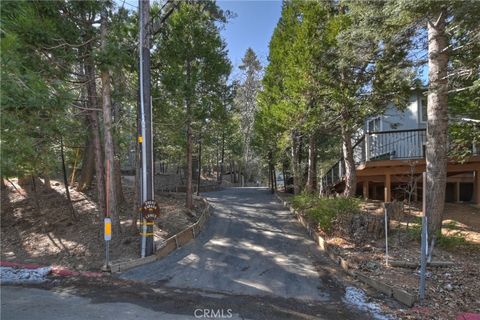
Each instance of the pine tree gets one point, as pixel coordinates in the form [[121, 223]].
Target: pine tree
[[246, 104], [193, 65]]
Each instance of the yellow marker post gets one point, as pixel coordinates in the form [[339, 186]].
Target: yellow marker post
[[108, 229], [140, 139], [107, 233]]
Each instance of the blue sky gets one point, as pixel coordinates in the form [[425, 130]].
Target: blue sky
[[252, 27]]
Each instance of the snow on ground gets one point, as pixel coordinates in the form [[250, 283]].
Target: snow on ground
[[10, 275], [358, 298]]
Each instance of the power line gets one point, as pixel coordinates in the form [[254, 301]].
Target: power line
[[129, 4]]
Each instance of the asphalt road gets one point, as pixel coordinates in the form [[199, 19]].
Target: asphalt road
[[251, 261], [251, 246], [32, 303]]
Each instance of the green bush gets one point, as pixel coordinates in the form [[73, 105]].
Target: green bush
[[323, 211], [451, 241], [443, 241], [415, 232], [304, 201]]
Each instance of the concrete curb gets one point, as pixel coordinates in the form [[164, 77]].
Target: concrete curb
[[400, 295], [171, 244]]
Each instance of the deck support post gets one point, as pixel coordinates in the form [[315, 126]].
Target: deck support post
[[365, 189], [476, 186], [388, 188], [456, 193]]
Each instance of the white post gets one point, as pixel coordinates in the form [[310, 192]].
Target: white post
[[424, 243], [386, 233]]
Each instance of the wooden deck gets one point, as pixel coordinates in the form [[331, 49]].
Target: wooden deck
[[392, 158]]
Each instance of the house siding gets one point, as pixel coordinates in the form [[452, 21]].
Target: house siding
[[394, 119]]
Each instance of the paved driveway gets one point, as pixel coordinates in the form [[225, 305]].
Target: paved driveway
[[251, 245]]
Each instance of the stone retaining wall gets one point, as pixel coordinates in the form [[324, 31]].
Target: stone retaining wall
[[398, 294]]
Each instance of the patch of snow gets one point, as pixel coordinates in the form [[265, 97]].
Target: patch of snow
[[10, 275], [358, 298]]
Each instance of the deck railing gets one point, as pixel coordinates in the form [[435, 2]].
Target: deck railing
[[383, 145]]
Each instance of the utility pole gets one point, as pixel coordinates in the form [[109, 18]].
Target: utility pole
[[145, 139]]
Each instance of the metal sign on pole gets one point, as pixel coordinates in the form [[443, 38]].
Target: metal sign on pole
[[424, 242]]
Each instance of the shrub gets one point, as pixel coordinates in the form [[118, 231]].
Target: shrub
[[451, 241], [304, 201], [323, 211]]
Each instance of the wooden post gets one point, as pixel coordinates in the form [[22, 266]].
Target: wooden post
[[456, 193], [388, 188], [476, 186], [365, 189], [374, 192]]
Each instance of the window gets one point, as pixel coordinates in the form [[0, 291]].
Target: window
[[423, 109], [373, 125]]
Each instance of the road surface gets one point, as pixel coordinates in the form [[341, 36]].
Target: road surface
[[251, 261], [250, 246]]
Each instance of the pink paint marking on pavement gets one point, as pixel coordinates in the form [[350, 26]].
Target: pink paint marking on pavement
[[468, 316], [64, 272], [56, 270], [20, 265]]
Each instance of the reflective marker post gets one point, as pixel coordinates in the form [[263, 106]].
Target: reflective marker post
[[107, 233]]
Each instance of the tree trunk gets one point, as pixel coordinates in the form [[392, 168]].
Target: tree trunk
[[118, 181], [116, 145], [94, 126], [117, 167], [88, 162], [199, 178], [437, 122], [350, 172], [110, 183], [297, 174], [245, 166], [222, 158], [65, 181], [74, 168], [189, 200], [35, 192], [311, 185], [47, 183], [271, 172]]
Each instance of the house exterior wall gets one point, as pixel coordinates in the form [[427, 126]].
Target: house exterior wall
[[394, 119], [399, 145]]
